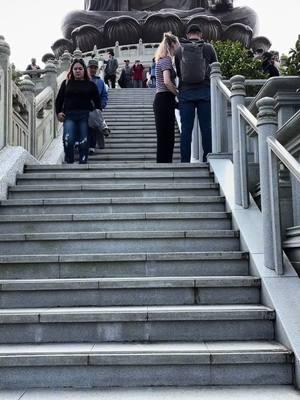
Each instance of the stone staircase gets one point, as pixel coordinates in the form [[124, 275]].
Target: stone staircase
[[130, 117], [121, 273]]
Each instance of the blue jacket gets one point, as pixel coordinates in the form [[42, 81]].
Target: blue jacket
[[102, 91]]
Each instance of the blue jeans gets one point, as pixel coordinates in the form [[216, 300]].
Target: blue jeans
[[76, 130], [189, 101]]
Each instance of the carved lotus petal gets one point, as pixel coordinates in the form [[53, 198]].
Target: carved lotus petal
[[123, 29], [239, 33], [260, 42], [86, 37], [157, 24], [61, 45], [48, 56], [211, 26]]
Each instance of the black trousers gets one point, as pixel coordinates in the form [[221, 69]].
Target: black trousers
[[164, 111], [112, 79]]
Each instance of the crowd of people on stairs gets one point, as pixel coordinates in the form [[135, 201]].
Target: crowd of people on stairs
[[180, 73]]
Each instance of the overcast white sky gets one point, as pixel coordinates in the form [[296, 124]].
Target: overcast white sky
[[31, 26]]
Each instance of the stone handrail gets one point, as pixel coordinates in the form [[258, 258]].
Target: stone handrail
[[27, 111], [19, 134], [289, 134], [124, 51], [264, 116], [32, 72]]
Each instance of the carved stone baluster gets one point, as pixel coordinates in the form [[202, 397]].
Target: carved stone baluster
[[27, 87], [5, 93]]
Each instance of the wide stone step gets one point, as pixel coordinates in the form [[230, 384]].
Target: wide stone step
[[132, 144], [122, 241], [132, 131], [129, 291], [112, 205], [116, 265], [138, 122], [132, 151], [141, 323], [108, 177], [128, 158], [116, 141], [113, 222], [135, 136], [130, 119], [133, 108], [132, 127], [112, 190], [120, 166], [93, 365], [116, 112], [129, 150]]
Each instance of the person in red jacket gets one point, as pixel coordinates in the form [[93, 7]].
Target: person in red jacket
[[137, 74]]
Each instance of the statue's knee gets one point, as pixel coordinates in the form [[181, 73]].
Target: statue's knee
[[72, 20], [123, 29], [155, 26]]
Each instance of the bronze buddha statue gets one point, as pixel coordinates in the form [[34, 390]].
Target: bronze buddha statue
[[103, 22]]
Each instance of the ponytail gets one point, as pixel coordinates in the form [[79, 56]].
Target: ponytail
[[164, 49]]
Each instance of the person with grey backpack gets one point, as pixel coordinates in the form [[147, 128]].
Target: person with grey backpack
[[192, 60]]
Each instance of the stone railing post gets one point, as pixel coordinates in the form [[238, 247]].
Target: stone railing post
[[267, 126], [50, 79], [117, 50], [215, 76], [27, 87], [66, 60], [50, 76], [5, 92], [239, 146], [140, 48], [77, 53]]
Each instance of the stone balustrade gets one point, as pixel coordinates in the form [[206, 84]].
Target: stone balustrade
[[265, 132], [27, 114]]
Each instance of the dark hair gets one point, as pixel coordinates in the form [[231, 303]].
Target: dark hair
[[193, 29], [70, 75], [267, 56], [111, 52]]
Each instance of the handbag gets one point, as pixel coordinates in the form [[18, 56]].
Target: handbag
[[96, 120]]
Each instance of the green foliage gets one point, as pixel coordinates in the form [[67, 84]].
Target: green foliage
[[292, 62], [235, 59]]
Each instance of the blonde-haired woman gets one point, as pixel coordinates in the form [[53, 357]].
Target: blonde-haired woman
[[164, 102]]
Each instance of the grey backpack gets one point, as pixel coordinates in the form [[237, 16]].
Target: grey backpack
[[193, 65]]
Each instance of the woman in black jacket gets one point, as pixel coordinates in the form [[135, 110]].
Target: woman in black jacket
[[77, 96]]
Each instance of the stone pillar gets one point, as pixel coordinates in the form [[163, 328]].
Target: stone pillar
[[140, 48], [5, 92], [27, 87], [267, 126], [77, 53], [296, 197], [239, 146], [117, 50], [215, 76], [66, 60], [50, 77], [287, 104]]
